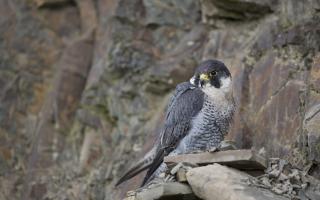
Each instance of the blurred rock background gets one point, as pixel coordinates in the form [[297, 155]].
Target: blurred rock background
[[84, 83]]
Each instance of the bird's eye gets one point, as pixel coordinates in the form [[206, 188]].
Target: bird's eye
[[213, 73]]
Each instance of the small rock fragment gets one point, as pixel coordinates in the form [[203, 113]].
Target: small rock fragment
[[175, 169], [181, 175]]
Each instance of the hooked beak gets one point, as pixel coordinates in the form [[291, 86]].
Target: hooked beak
[[203, 79]]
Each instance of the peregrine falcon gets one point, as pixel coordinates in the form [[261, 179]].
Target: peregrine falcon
[[197, 118]]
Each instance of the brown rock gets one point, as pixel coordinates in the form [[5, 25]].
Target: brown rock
[[236, 10], [274, 66], [38, 191], [315, 72], [276, 89], [48, 3], [241, 159], [216, 182], [70, 80], [64, 22], [312, 128], [88, 14], [177, 63], [181, 175]]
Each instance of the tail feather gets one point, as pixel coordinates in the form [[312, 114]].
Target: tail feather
[[137, 168], [153, 166]]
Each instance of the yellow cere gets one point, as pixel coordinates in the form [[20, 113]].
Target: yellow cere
[[204, 77]]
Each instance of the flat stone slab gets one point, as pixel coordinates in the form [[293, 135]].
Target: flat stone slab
[[164, 191], [218, 182], [239, 159]]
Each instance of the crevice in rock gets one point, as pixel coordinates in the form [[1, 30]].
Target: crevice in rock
[[244, 106], [304, 97], [291, 76], [315, 90], [55, 4]]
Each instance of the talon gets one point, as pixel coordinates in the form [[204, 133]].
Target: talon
[[196, 151], [227, 145], [214, 149]]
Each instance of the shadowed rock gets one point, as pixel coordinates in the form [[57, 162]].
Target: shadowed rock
[[164, 191]]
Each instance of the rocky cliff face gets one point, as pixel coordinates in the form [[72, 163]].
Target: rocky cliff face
[[83, 84]]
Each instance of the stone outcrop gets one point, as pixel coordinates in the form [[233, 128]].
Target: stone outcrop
[[163, 191], [141, 50], [229, 175], [241, 159], [217, 182]]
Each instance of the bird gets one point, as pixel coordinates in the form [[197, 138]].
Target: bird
[[198, 116]]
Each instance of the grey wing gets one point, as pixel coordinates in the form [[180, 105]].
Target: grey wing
[[185, 104], [180, 89]]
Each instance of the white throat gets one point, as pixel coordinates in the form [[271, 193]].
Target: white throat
[[220, 95]]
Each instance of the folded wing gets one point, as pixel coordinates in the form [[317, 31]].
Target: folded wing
[[185, 104]]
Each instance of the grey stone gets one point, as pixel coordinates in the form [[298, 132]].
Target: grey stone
[[217, 182], [313, 191], [172, 12], [171, 190], [282, 178], [129, 11]]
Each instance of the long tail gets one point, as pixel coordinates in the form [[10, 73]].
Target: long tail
[[138, 167], [156, 162]]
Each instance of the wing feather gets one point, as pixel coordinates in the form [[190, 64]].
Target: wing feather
[[185, 104], [136, 169]]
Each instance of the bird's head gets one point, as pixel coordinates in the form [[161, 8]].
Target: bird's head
[[213, 78]]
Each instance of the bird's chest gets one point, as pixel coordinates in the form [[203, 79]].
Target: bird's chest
[[212, 119], [206, 124], [209, 126]]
